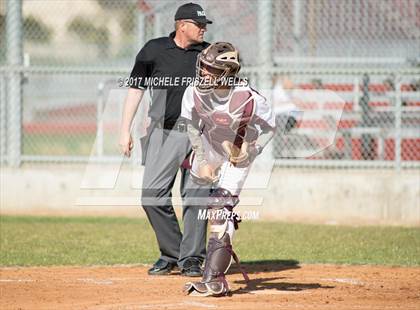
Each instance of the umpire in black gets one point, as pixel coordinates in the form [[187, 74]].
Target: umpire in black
[[166, 145]]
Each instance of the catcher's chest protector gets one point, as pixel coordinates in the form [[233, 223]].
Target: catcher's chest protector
[[225, 120]]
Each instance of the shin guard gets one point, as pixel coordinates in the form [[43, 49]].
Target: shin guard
[[223, 222]]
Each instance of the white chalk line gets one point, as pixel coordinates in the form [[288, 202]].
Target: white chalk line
[[275, 292], [107, 281], [112, 280], [16, 280], [199, 304], [179, 305], [96, 281], [344, 280]]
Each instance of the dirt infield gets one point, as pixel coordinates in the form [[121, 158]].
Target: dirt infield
[[273, 286]]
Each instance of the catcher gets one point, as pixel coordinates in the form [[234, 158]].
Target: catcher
[[228, 124]]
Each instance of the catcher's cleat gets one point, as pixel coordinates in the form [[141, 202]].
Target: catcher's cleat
[[216, 288]]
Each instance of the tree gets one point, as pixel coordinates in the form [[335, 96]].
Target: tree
[[36, 31], [87, 32]]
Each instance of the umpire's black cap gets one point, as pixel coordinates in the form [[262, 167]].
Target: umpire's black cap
[[192, 11]]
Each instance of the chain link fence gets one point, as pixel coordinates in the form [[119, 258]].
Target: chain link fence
[[350, 30], [379, 124], [73, 53]]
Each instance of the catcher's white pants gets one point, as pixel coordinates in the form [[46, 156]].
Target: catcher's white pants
[[229, 177]]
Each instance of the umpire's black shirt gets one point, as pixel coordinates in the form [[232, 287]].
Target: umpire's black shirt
[[160, 58]]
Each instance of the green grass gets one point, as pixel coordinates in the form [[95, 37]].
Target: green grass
[[45, 241], [58, 144], [74, 144], [330, 244]]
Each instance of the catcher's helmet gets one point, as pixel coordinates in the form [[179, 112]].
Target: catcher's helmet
[[217, 62]]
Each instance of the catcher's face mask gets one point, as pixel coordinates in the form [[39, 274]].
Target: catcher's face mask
[[209, 76], [215, 63]]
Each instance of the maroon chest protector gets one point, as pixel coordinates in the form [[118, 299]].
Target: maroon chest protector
[[233, 123]]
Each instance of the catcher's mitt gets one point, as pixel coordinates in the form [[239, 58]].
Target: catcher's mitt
[[235, 154]]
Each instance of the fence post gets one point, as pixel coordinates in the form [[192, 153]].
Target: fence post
[[99, 120], [397, 138], [141, 29], [297, 27], [368, 152], [265, 35], [265, 63], [3, 119], [14, 38], [157, 25]]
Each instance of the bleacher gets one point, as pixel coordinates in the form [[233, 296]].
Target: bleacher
[[364, 132]]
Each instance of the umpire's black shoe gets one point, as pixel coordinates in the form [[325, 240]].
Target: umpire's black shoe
[[161, 267], [192, 268]]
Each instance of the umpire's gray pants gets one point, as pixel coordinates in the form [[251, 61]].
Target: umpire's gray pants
[[166, 151]]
